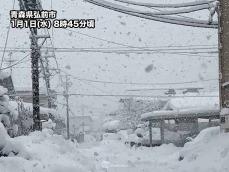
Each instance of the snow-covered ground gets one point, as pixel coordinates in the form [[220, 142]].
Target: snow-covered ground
[[45, 152]]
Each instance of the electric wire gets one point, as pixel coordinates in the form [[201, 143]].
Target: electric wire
[[6, 41], [165, 19], [17, 63], [138, 83], [187, 4]]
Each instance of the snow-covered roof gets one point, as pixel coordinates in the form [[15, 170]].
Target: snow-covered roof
[[186, 107], [184, 113], [29, 89], [192, 102]]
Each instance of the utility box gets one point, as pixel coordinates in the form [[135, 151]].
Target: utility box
[[224, 119]]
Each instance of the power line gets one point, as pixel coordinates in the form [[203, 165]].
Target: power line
[[137, 83], [118, 49], [166, 47], [97, 88], [17, 63], [157, 89], [97, 38], [181, 11], [124, 95], [188, 4], [186, 52], [179, 15], [6, 41], [165, 19], [117, 43], [134, 83], [146, 96]]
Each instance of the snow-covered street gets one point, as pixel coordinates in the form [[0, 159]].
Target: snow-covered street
[[45, 152]]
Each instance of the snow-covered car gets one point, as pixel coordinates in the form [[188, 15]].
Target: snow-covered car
[[111, 136]]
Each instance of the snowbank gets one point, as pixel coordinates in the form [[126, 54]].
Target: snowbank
[[208, 152], [48, 124], [2, 90], [112, 125], [9, 146], [224, 111], [4, 75], [48, 153]]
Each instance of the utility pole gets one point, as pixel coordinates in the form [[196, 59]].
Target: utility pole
[[46, 72], [150, 134], [50, 100], [10, 61], [35, 56], [67, 103], [223, 14], [129, 100], [83, 122]]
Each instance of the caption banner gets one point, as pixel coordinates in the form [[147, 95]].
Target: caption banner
[[46, 19]]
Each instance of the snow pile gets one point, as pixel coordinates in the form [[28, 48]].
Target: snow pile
[[224, 111], [48, 153], [2, 90], [89, 138], [24, 114], [209, 151], [9, 146], [114, 156], [4, 75], [111, 125], [49, 124], [8, 115], [3, 135], [112, 136]]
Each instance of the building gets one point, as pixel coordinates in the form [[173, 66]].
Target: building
[[7, 82], [185, 113], [25, 93]]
